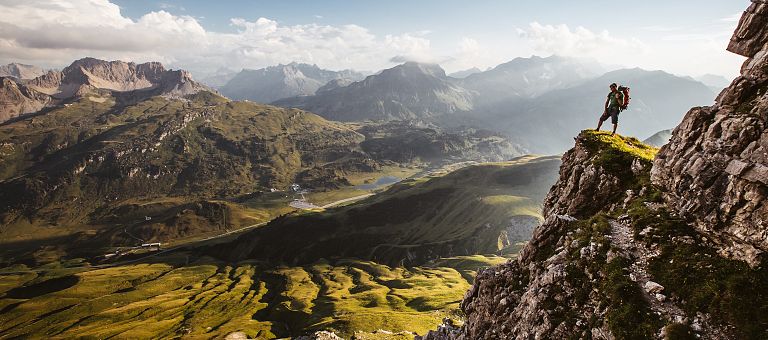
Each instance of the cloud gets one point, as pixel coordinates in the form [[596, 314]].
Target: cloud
[[46, 33], [561, 40]]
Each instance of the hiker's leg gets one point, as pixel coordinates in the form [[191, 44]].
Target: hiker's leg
[[600, 120], [614, 128]]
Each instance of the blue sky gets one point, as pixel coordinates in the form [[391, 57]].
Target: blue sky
[[682, 37]]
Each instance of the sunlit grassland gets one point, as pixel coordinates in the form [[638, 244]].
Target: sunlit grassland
[[210, 299]]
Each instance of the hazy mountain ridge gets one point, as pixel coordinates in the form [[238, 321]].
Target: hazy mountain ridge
[[544, 124], [659, 138], [465, 73], [21, 71], [530, 77], [408, 91], [539, 102], [282, 81]]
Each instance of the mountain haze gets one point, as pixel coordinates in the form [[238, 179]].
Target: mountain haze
[[530, 77], [546, 123], [465, 73], [282, 81], [408, 91], [20, 71]]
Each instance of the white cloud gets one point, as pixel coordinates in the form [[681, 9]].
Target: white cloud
[[55, 33], [561, 40]]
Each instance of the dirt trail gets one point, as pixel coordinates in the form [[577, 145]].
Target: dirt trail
[[623, 239]]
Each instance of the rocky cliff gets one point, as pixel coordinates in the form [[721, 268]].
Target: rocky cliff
[[716, 165], [611, 261], [641, 246], [16, 99]]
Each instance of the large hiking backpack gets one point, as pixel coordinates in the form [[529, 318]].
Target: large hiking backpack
[[625, 91]]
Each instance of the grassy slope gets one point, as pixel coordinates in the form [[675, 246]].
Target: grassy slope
[[209, 299], [459, 213]]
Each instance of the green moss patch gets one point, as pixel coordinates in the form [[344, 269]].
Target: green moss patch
[[616, 153]]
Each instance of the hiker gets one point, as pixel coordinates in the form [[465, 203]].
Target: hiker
[[613, 105]]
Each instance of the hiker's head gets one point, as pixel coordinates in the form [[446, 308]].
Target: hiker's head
[[613, 87]]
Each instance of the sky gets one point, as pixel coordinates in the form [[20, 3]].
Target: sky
[[684, 37]]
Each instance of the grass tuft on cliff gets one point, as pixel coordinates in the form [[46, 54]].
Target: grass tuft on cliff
[[616, 153]]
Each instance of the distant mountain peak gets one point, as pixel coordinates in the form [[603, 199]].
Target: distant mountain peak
[[465, 73], [280, 81], [20, 71]]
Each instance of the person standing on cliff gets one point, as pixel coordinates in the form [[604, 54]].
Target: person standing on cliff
[[613, 105]]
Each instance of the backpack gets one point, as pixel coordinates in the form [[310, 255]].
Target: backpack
[[624, 90]]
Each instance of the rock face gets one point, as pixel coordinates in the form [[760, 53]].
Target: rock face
[[127, 81], [20, 71], [518, 300], [282, 81], [118, 76], [716, 165], [17, 99]]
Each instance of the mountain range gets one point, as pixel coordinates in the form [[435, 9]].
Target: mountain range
[[282, 81], [408, 91], [533, 100]]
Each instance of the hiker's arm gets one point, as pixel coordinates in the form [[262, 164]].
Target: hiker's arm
[[620, 98], [607, 101]]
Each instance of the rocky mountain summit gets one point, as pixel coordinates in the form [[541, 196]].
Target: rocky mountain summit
[[128, 82], [640, 245]]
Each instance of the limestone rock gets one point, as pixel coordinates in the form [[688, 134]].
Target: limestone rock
[[716, 164]]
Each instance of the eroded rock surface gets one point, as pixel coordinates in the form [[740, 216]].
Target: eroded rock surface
[[716, 165]]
